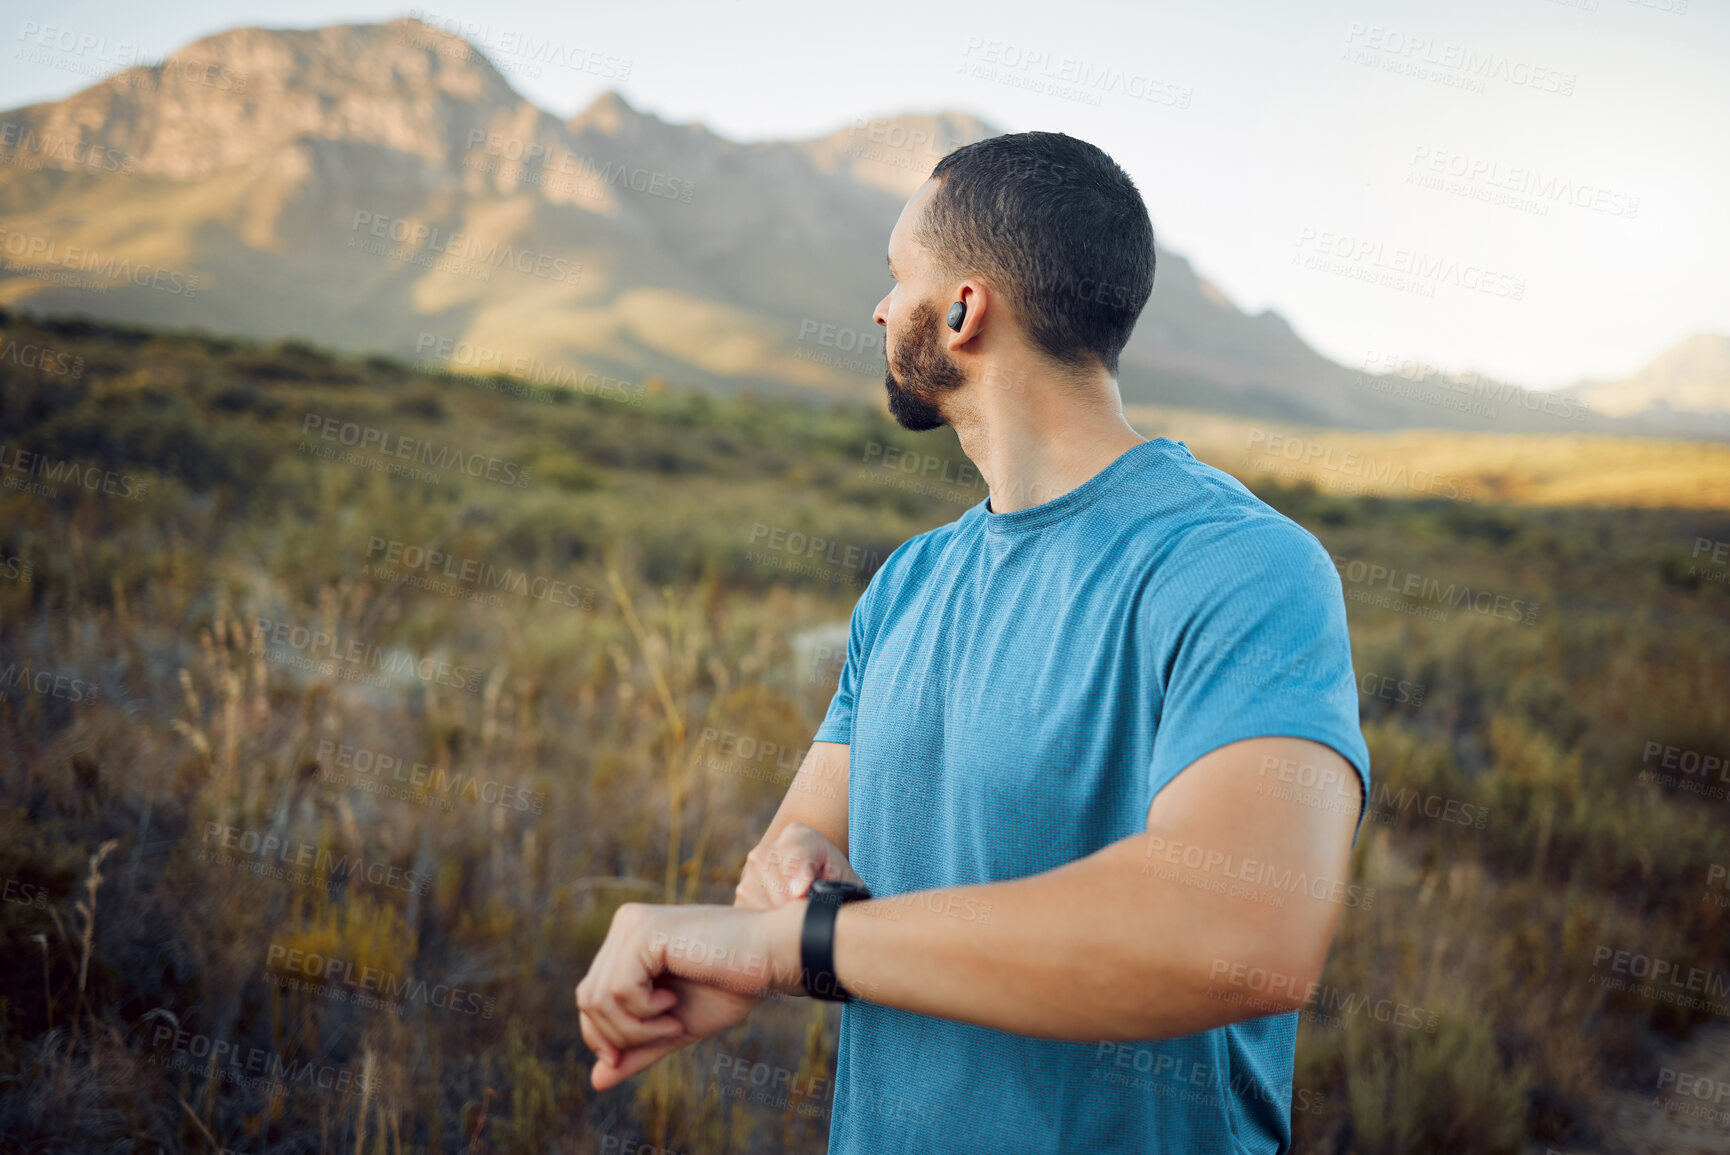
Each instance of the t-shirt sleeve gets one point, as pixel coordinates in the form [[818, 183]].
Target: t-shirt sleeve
[[1261, 651], [837, 725]]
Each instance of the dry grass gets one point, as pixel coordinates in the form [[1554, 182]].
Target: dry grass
[[1520, 469], [600, 721]]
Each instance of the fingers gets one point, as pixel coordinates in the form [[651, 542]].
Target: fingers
[[761, 884], [618, 1035], [618, 1005], [750, 891], [604, 1051], [647, 1002], [783, 870], [611, 1072], [598, 1042], [616, 1018], [797, 850], [800, 877]]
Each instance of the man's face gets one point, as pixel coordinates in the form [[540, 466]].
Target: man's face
[[920, 370]]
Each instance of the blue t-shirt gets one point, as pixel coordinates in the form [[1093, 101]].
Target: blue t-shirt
[[1018, 687]]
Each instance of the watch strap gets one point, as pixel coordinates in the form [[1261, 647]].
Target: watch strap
[[817, 939]]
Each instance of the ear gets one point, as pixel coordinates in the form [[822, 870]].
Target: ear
[[977, 301]]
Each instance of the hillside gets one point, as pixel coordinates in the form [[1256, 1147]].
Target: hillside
[[383, 188]]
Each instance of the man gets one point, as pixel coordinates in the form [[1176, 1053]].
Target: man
[[1098, 739]]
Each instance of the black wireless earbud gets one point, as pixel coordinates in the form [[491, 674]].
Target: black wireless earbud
[[957, 314]]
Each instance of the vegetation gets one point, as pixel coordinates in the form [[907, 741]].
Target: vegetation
[[274, 730]]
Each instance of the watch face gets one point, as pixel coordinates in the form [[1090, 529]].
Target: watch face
[[836, 890]]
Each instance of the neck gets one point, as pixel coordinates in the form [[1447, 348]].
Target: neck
[[1036, 442]]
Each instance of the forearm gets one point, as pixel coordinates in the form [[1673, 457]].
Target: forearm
[[1098, 949], [817, 796]]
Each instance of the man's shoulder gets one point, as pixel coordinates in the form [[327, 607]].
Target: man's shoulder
[[1195, 517], [1252, 540], [921, 551]]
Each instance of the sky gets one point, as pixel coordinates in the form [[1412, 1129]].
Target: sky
[[1532, 189]]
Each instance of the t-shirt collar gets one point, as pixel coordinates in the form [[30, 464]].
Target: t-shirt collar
[[1083, 495]]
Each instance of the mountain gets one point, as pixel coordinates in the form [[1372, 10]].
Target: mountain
[[364, 187], [1685, 390], [383, 188], [897, 153]]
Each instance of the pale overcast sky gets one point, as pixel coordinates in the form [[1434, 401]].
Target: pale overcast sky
[[1296, 153]]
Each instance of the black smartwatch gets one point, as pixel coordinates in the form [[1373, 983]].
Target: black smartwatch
[[817, 938]]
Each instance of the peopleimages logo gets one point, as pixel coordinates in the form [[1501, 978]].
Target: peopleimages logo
[[1354, 464], [25, 149], [1418, 587], [357, 655], [483, 359], [341, 973], [1253, 874], [1449, 62], [473, 572], [1492, 176], [30, 355], [1066, 77], [1371, 259], [262, 849], [1323, 1004], [1381, 367], [38, 253], [807, 547], [48, 683], [524, 45], [24, 894], [1170, 1074], [356, 436], [551, 161], [419, 779], [115, 54], [236, 1062], [464, 247], [1663, 979], [94, 478], [121, 62]]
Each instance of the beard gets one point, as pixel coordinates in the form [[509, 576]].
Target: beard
[[920, 373]]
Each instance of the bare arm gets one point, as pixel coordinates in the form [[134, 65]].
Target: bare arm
[[1222, 910], [1194, 924]]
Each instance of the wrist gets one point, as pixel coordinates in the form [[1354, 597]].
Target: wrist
[[817, 938], [785, 925]]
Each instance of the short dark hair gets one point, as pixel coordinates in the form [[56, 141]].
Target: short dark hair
[[1057, 226]]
